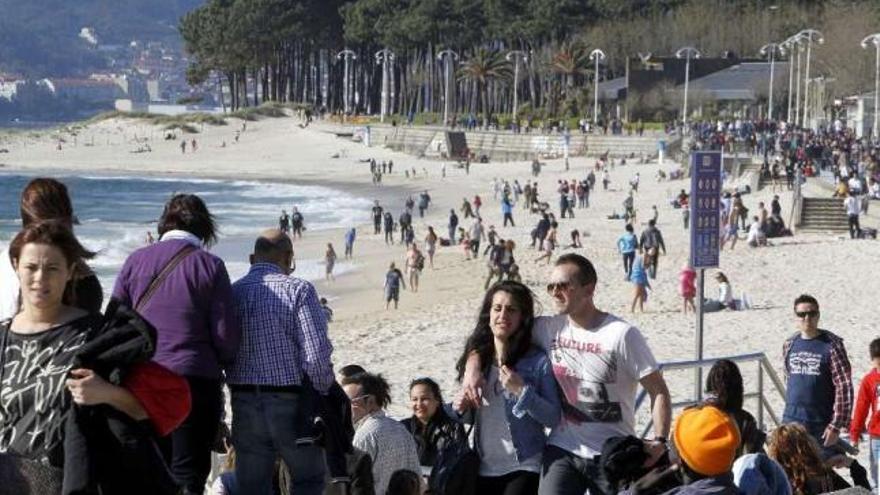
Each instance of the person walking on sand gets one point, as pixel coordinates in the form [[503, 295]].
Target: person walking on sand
[[415, 263], [350, 236], [431, 245], [639, 278], [329, 262], [651, 244], [453, 225], [687, 288], [377, 217], [393, 282], [627, 245], [297, 223]]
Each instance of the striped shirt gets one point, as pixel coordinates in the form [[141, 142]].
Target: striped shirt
[[284, 331]]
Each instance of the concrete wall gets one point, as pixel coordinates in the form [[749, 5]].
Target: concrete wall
[[502, 146]]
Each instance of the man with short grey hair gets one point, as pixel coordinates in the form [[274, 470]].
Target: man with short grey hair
[[284, 348]]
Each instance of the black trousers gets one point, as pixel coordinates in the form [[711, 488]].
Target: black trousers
[[187, 449], [515, 483]]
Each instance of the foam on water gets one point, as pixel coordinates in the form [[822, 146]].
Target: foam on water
[[115, 213]]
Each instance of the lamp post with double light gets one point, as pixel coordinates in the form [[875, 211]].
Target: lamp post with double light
[[384, 57], [450, 57], [874, 39], [686, 53], [810, 35], [770, 49], [597, 56], [345, 56]]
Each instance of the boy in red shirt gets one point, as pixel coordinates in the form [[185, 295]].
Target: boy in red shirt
[[869, 402]]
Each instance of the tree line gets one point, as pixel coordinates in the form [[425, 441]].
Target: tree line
[[289, 50]]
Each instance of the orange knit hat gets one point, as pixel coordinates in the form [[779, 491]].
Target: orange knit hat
[[706, 440]]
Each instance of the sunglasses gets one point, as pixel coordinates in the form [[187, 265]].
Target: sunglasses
[[555, 286], [809, 314]]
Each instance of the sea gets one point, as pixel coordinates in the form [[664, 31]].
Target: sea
[[116, 212]]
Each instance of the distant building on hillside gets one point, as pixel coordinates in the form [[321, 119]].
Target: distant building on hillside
[[98, 90]]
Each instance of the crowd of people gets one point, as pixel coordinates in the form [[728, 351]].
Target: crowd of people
[[791, 154], [131, 399]]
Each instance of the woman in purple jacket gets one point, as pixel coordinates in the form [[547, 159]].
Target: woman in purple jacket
[[198, 334]]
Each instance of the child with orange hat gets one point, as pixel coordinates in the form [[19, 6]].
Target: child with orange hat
[[705, 440]]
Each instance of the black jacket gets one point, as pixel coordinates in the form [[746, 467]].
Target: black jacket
[[105, 450], [440, 431]]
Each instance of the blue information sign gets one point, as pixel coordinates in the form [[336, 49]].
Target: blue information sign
[[705, 208]]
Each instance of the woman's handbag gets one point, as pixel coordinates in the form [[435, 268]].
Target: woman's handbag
[[455, 469]]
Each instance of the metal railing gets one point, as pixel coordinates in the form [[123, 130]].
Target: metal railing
[[764, 369]]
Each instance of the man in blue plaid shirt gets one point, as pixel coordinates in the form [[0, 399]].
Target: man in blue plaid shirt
[[284, 341]]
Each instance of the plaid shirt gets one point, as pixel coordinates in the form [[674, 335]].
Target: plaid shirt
[[841, 377], [284, 331], [390, 445]]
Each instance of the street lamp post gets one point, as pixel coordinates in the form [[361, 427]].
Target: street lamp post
[[686, 53], [515, 56], [384, 56], [875, 40], [346, 55], [771, 49], [597, 55], [810, 35], [450, 56], [791, 45], [797, 86]]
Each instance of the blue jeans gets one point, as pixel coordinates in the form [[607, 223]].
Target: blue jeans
[[563, 473], [874, 455], [265, 426]]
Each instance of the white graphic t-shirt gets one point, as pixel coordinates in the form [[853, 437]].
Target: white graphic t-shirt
[[598, 371]]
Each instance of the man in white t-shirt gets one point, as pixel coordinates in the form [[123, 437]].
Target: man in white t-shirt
[[853, 207], [598, 360]]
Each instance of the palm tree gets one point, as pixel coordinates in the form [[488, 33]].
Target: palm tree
[[570, 60], [484, 66]]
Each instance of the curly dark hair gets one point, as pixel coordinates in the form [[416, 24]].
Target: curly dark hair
[[481, 339], [798, 453]]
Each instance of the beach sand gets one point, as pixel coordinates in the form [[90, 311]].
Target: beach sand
[[426, 335]]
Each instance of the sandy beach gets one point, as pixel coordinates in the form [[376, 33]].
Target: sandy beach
[[425, 336]]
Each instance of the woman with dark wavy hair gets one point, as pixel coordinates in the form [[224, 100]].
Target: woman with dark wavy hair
[[520, 398], [193, 313], [724, 390]]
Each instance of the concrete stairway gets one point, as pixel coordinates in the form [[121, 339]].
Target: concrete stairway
[[823, 215], [624, 146]]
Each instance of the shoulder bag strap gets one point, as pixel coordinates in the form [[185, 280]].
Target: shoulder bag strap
[[162, 275]]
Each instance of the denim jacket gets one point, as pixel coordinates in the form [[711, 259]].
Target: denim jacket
[[536, 408]]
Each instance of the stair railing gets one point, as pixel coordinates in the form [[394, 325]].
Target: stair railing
[[764, 371]]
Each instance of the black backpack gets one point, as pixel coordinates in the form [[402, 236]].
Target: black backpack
[[455, 469]]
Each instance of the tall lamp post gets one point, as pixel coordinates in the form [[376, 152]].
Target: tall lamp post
[[875, 40], [515, 56], [384, 56], [450, 56], [346, 55], [770, 50], [790, 44], [810, 35], [596, 55], [686, 53]]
